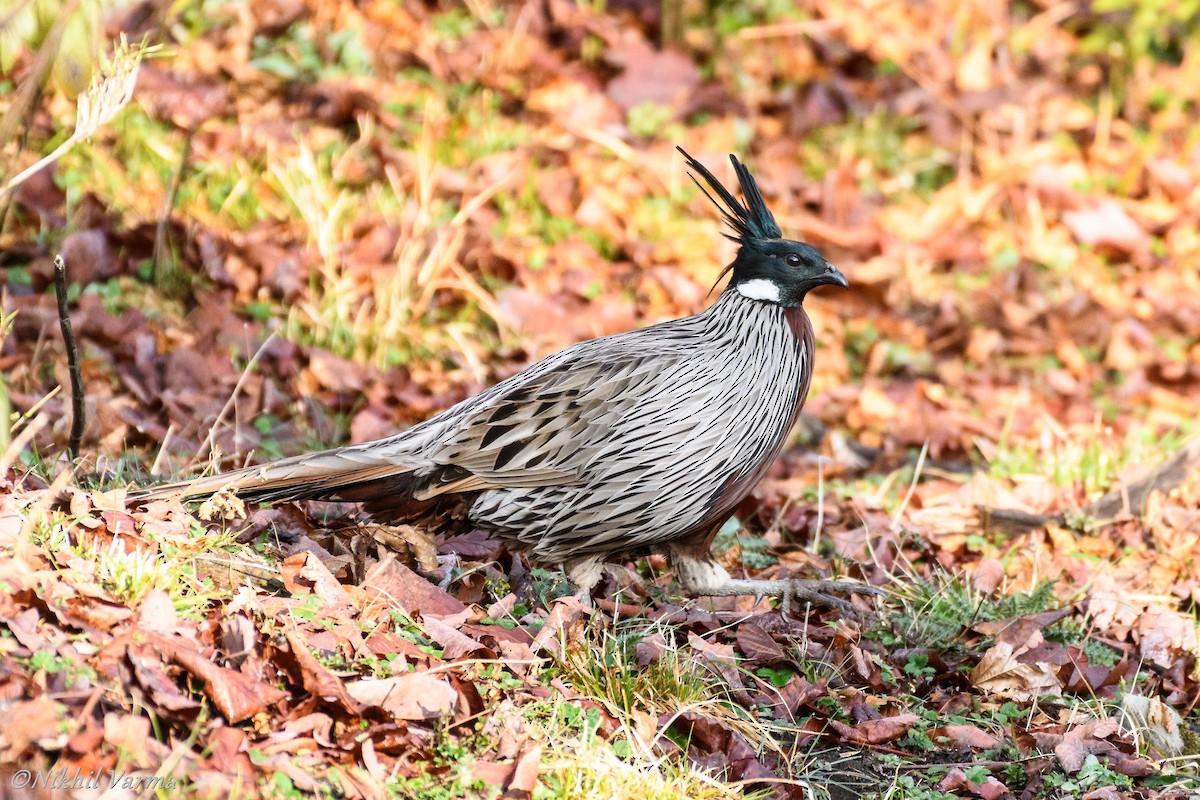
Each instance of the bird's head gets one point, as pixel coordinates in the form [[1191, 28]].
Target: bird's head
[[768, 267]]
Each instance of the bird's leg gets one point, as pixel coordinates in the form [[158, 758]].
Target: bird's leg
[[584, 573], [701, 575]]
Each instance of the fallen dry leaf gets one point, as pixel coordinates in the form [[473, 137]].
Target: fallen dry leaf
[[1152, 720], [28, 722], [965, 736], [453, 642], [413, 696], [236, 696], [989, 788], [303, 573], [316, 678], [524, 778], [1000, 673], [1082, 740], [391, 584], [876, 731], [562, 627], [1107, 224], [758, 646], [1163, 633]]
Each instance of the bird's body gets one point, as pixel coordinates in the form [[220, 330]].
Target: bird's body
[[637, 442], [655, 404]]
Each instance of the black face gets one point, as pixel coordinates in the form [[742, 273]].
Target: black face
[[781, 271]]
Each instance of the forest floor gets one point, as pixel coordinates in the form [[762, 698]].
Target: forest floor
[[320, 222]]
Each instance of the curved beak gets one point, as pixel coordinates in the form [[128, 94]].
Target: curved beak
[[834, 276], [829, 275]]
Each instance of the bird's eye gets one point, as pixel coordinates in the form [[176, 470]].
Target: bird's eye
[[793, 260]]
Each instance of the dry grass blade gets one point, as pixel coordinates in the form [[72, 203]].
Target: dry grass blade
[[12, 453], [368, 317], [207, 448], [6, 321], [111, 91]]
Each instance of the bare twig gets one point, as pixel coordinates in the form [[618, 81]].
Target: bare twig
[[156, 467], [6, 318], [5, 416], [78, 412], [820, 524], [671, 29], [207, 448], [1163, 478]]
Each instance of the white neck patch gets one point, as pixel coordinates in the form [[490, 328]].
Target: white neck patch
[[759, 289]]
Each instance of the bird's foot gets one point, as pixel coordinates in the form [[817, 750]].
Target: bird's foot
[[822, 593], [795, 592], [701, 575]]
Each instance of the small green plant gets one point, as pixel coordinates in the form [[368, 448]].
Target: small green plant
[[935, 612], [1126, 32], [606, 668], [905, 787], [776, 676], [1093, 459], [1092, 775], [302, 54], [129, 575], [579, 762], [918, 666], [406, 628], [54, 663], [895, 162], [494, 681]]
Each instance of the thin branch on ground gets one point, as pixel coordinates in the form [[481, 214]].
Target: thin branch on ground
[[78, 409]]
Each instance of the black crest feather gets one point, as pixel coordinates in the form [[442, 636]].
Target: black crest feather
[[752, 219]]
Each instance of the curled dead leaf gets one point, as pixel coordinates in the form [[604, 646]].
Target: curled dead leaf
[[989, 788], [876, 731], [406, 539], [1153, 721], [1082, 740], [412, 696], [304, 573], [1162, 634], [236, 696], [453, 642], [999, 672], [965, 736]]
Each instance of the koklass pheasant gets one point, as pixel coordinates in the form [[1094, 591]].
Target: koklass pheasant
[[640, 442]]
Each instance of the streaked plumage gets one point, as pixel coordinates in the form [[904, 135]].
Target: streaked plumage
[[642, 441]]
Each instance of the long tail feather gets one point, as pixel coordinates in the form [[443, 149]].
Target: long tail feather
[[328, 475]]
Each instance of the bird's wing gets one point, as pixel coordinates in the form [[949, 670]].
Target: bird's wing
[[545, 428]]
